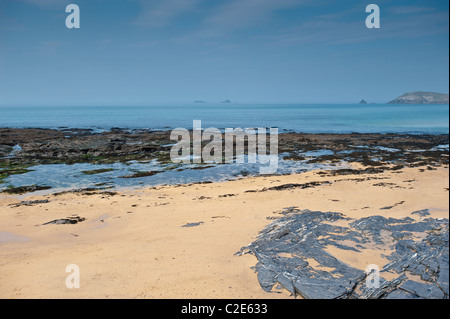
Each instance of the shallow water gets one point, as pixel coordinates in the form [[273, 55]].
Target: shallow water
[[62, 176], [6, 237]]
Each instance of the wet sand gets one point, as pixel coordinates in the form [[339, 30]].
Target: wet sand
[[133, 244]]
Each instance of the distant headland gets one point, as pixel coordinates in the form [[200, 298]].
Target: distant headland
[[421, 98]]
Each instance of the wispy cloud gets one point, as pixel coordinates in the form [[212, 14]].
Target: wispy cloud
[[410, 10], [161, 12], [49, 4], [237, 15], [334, 31]]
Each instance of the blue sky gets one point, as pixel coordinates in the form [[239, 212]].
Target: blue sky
[[136, 52]]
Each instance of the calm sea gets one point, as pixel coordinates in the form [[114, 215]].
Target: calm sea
[[338, 118]]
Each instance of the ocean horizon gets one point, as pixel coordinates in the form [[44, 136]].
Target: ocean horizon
[[305, 118]]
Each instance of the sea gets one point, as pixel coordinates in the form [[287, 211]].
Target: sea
[[326, 118]]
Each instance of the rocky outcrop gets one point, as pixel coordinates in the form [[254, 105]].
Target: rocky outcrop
[[293, 254], [41, 145]]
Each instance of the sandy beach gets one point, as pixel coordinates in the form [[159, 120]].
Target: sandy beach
[[132, 244], [223, 152]]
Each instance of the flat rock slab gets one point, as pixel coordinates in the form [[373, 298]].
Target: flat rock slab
[[292, 254]]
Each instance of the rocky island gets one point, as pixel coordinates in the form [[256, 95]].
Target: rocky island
[[421, 98]]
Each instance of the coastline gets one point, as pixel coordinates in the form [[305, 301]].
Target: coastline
[[194, 153], [189, 240]]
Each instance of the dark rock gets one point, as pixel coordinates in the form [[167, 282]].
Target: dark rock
[[357, 171], [285, 248], [66, 221], [421, 290], [30, 203], [193, 224], [301, 186], [141, 174], [422, 213], [25, 189], [201, 167], [97, 171], [39, 146], [87, 191], [390, 207], [385, 288]]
